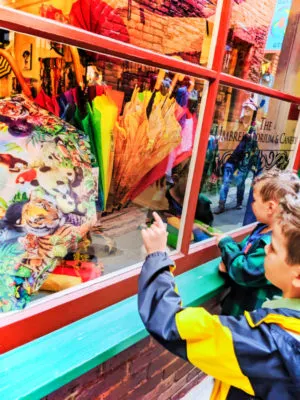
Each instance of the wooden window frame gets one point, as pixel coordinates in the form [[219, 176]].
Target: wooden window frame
[[18, 328]]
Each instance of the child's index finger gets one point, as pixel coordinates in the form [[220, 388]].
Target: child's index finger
[[158, 220]]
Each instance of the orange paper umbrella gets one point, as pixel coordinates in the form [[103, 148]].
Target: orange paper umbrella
[[142, 142]]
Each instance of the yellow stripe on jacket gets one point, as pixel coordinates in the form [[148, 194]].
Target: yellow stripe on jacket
[[210, 348]]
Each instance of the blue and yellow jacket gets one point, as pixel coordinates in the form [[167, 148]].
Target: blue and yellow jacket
[[257, 354]]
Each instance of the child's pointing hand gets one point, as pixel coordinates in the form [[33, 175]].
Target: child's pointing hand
[[155, 237]]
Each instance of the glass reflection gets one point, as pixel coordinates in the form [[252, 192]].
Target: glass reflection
[[178, 29], [262, 42], [245, 140], [90, 146]]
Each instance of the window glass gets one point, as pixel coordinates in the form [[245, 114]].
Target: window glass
[[250, 134], [261, 43], [90, 145], [183, 30]]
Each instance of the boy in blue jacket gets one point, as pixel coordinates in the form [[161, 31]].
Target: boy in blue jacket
[[243, 263], [257, 354]]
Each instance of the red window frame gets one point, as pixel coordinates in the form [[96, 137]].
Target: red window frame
[[19, 328]]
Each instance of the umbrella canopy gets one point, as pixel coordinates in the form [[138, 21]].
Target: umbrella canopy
[[141, 142], [105, 114]]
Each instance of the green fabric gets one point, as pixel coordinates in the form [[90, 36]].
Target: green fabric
[[87, 127], [90, 127], [204, 198], [172, 240], [95, 118], [249, 287], [292, 304]]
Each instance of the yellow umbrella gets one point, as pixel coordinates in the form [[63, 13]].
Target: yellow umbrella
[[105, 141], [141, 143]]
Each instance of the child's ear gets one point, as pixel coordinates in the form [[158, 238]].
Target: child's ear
[[296, 279], [272, 206]]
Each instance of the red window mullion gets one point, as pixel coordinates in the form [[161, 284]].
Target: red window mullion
[[206, 124], [35, 321], [242, 84], [29, 24]]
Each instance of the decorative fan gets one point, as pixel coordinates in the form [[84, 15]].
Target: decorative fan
[[98, 17], [5, 67]]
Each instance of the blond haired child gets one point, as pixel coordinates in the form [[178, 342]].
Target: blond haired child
[[257, 354]]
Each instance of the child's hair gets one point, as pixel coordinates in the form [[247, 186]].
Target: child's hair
[[288, 217], [277, 184]]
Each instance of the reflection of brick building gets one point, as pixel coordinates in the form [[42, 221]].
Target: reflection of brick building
[[163, 30], [175, 26], [250, 23]]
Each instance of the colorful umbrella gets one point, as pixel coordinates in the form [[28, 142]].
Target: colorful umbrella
[[180, 153], [141, 142], [105, 113]]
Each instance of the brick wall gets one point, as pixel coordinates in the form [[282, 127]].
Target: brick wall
[[168, 34], [251, 21], [171, 26], [144, 371]]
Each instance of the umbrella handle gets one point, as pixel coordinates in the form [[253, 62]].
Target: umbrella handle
[[159, 79], [77, 65], [177, 77]]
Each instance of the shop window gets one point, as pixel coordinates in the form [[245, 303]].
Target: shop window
[[250, 133], [260, 41], [90, 146], [178, 29]]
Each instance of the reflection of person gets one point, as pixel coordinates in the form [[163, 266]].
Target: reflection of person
[[210, 170], [244, 261], [175, 196], [267, 79], [243, 159], [254, 355]]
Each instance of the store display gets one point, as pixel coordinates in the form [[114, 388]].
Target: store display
[[141, 142], [185, 115], [140, 122], [135, 120], [47, 196]]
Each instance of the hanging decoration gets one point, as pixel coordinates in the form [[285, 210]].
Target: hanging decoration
[[5, 68], [98, 17]]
